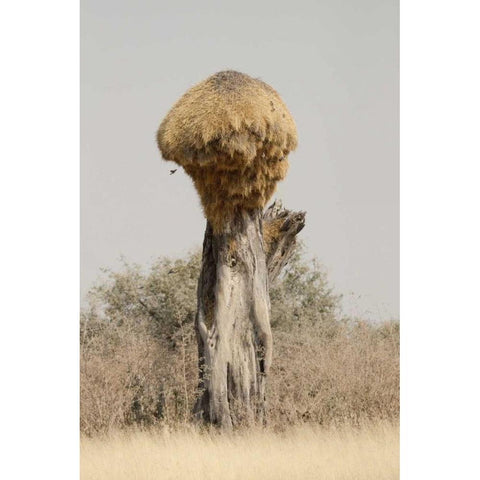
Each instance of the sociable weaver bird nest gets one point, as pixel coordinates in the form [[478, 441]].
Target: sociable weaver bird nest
[[232, 134]]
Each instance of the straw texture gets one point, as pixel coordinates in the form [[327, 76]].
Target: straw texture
[[232, 134]]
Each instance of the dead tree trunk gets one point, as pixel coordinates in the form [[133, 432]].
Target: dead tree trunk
[[233, 312]]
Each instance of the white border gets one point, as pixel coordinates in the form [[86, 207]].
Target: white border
[[40, 239], [440, 239]]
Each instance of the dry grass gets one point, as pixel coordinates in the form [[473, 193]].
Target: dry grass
[[139, 362], [370, 452], [348, 376], [229, 113], [232, 134], [332, 395]]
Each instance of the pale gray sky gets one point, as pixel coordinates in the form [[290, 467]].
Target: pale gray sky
[[334, 62]]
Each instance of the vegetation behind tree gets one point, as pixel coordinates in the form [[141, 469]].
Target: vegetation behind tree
[[139, 363]]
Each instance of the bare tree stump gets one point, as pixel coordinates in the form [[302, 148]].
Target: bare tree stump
[[233, 312]]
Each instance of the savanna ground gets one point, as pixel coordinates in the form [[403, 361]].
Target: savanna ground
[[303, 453], [333, 392]]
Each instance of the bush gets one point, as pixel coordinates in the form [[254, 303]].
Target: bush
[[139, 353], [346, 377]]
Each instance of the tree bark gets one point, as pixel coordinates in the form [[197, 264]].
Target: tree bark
[[233, 313]]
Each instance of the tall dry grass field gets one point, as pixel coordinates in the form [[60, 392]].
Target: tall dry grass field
[[370, 452], [139, 363], [332, 394]]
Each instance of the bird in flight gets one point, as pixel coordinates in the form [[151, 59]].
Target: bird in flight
[[173, 171]]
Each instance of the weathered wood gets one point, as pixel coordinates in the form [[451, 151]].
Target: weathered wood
[[233, 312], [280, 227]]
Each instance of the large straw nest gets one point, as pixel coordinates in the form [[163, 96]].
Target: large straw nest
[[232, 134]]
